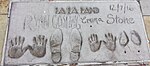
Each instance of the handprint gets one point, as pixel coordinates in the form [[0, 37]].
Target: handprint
[[135, 37], [94, 44], [110, 42], [16, 49], [39, 47]]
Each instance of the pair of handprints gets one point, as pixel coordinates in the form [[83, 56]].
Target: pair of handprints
[[110, 41], [95, 44], [38, 48]]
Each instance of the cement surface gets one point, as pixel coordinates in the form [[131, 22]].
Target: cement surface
[[29, 20]]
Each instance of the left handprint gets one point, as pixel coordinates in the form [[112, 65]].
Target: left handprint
[[39, 47], [16, 49]]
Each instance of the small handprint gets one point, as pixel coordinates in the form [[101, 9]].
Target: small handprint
[[39, 47], [110, 42], [94, 44], [16, 49]]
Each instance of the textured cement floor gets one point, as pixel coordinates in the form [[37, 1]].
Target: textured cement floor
[[4, 23]]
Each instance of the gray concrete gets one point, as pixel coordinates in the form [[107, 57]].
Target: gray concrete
[[121, 40], [145, 4]]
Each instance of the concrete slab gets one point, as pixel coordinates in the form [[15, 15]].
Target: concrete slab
[[145, 6], [115, 34]]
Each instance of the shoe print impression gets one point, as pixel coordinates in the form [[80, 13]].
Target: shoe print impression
[[123, 39], [55, 45], [76, 44], [135, 37]]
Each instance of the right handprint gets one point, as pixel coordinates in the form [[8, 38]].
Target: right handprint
[[135, 37], [110, 42], [39, 47]]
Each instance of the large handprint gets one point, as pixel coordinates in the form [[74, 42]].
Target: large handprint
[[39, 47], [16, 49], [110, 42]]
